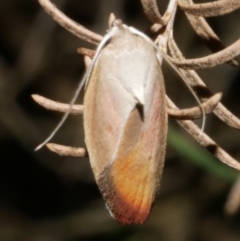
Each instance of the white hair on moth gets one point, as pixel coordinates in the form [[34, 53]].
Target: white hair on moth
[[110, 212]]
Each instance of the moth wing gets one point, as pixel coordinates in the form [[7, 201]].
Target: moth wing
[[125, 139]]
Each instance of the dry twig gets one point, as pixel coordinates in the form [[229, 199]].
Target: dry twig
[[216, 8], [57, 106], [69, 24], [67, 150], [206, 33], [195, 112], [151, 10]]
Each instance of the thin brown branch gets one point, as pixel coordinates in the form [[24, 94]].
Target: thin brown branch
[[69, 24], [150, 8], [67, 150], [210, 9], [196, 112], [57, 106], [204, 140], [156, 29], [205, 32], [209, 61]]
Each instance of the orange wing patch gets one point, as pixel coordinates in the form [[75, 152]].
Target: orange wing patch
[[128, 189]]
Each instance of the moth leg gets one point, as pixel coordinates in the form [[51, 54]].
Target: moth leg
[[57, 106], [195, 112], [67, 150], [86, 52]]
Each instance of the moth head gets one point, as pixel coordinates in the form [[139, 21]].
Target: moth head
[[114, 22]]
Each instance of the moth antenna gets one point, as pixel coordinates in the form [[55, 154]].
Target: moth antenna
[[191, 90], [200, 106], [84, 81], [65, 115]]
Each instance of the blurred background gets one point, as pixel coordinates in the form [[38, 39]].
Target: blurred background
[[45, 197]]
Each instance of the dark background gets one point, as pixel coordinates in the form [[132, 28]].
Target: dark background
[[45, 197]]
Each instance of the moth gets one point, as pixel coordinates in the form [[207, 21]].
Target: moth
[[125, 123]]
